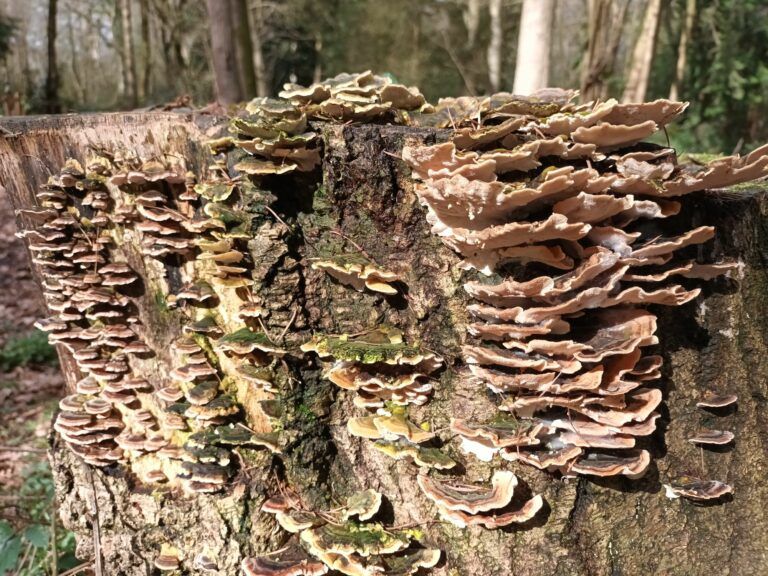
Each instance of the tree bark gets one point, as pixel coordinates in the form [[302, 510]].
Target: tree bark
[[533, 45], [605, 24], [52, 101], [146, 51], [642, 57], [682, 49], [224, 52], [471, 16], [256, 20], [365, 193], [129, 52], [239, 11], [495, 45]]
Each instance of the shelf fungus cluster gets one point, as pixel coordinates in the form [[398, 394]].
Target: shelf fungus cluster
[[92, 316], [346, 541], [569, 192], [361, 97], [387, 376], [273, 138], [180, 432]]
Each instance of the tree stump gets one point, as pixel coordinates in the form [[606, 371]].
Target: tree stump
[[361, 198]]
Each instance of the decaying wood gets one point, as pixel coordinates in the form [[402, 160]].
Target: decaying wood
[[589, 528]]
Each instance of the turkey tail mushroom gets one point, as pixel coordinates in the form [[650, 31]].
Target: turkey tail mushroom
[[566, 346]]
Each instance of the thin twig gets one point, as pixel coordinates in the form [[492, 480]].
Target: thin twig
[[98, 568], [24, 558], [54, 544], [388, 153], [264, 329], [459, 68], [414, 524], [276, 552], [355, 244], [277, 217], [287, 326]]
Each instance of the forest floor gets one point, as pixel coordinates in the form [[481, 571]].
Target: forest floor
[[30, 386]]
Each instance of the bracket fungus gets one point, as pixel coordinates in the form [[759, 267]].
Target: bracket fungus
[[357, 271], [388, 376], [363, 96], [86, 235], [567, 347], [697, 489], [341, 544], [469, 505]]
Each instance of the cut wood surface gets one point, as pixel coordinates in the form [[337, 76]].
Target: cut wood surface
[[589, 527]]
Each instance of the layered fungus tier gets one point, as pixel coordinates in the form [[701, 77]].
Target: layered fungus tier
[[554, 206]]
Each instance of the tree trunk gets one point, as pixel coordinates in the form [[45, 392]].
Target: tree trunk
[[471, 16], [317, 72], [605, 25], [364, 193], [223, 46], [256, 19], [682, 49], [77, 80], [495, 45], [129, 52], [533, 45], [642, 57], [52, 102], [146, 51], [239, 11]]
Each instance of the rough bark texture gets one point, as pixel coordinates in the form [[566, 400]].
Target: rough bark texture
[[364, 193]]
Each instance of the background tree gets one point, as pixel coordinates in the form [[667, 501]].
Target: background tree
[[533, 46], [712, 52], [682, 49], [52, 102], [605, 22], [642, 57], [495, 45], [224, 52], [7, 30]]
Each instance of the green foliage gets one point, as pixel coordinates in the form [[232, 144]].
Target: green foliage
[[30, 349], [726, 78], [10, 547], [26, 547]]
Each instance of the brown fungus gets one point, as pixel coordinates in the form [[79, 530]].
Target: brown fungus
[[697, 489], [472, 505]]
